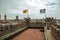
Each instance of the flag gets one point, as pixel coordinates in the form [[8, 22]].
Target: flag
[[25, 11], [42, 10]]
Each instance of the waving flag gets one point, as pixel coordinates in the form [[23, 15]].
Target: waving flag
[[25, 11], [42, 10]]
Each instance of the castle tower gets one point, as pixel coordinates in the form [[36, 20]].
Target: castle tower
[[5, 17], [17, 18]]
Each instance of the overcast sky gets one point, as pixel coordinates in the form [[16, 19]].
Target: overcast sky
[[15, 7]]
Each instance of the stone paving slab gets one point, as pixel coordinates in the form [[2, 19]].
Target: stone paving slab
[[30, 34], [48, 34]]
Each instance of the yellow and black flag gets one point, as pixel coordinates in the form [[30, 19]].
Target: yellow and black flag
[[25, 11], [42, 10]]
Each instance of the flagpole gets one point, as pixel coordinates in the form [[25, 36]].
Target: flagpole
[[0, 16], [45, 18], [27, 15], [43, 11]]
